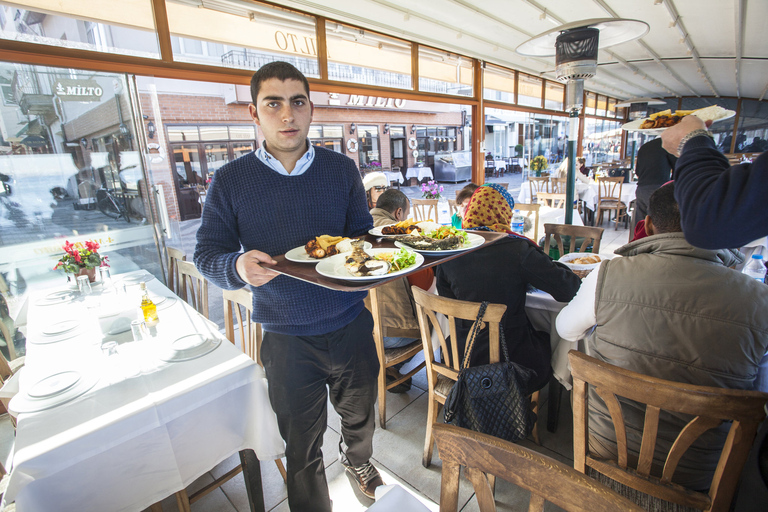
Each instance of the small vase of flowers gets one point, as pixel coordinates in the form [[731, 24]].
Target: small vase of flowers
[[431, 190], [81, 258], [538, 164]]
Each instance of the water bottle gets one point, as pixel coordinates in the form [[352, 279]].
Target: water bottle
[[518, 222], [755, 268]]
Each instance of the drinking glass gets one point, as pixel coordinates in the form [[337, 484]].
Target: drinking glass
[[109, 348], [84, 285], [106, 277]]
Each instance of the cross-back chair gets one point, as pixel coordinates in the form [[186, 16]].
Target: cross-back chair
[[551, 199], [424, 209], [193, 287], [174, 280], [486, 457], [453, 208], [441, 376], [389, 357], [609, 199], [707, 407], [558, 185], [538, 185], [532, 210], [591, 236]]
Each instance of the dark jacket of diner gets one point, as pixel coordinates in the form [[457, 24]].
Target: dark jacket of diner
[[676, 312], [501, 273], [396, 305], [721, 206]]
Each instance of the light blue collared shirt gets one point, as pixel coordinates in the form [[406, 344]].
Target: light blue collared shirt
[[273, 163]]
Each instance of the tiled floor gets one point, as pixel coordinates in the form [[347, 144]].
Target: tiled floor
[[398, 449]]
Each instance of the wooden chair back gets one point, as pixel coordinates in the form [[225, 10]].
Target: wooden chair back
[[194, 287], [591, 235], [424, 209], [486, 457], [551, 199], [174, 280], [708, 407], [453, 208], [609, 199], [505, 185], [558, 185], [238, 310], [538, 185], [532, 210], [390, 357], [442, 375]]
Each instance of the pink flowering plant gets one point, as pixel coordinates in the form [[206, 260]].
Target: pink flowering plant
[[431, 190], [81, 255]]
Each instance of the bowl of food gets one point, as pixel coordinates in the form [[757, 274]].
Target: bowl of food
[[582, 263]]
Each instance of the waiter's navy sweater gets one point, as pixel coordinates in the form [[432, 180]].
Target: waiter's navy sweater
[[251, 205], [720, 207]]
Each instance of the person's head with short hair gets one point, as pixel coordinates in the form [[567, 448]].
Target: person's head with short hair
[[375, 184], [663, 212], [396, 203], [462, 197], [280, 70]]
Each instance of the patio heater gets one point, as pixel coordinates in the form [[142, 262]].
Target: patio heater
[[638, 109], [574, 46]]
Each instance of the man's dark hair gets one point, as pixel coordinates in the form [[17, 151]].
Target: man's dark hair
[[664, 210], [392, 199], [280, 70], [465, 193]]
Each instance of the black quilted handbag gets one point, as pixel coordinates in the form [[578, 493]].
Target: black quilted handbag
[[492, 398]]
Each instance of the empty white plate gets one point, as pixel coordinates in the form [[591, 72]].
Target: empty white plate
[[189, 347], [137, 278], [59, 297], [60, 327], [54, 384]]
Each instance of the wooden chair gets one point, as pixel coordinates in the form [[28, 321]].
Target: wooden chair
[[194, 287], [591, 236], [441, 376], [453, 208], [531, 209], [551, 199], [486, 457], [423, 209], [389, 357], [174, 280], [558, 185], [609, 199], [708, 407], [538, 185]]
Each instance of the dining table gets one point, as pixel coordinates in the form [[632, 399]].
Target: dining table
[[117, 420], [419, 173]]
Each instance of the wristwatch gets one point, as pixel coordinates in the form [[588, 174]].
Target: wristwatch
[[690, 135]]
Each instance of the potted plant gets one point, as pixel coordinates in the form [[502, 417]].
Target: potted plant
[[519, 150], [431, 190], [81, 258], [538, 164]]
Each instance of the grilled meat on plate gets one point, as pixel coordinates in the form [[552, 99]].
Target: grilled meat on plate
[[430, 244]]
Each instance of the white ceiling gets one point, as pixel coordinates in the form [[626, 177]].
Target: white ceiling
[[725, 52]]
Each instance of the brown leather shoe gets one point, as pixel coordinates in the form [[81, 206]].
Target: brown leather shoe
[[367, 478]]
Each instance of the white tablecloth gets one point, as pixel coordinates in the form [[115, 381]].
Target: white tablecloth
[[147, 428], [419, 172], [628, 191], [394, 176], [542, 310], [525, 192]]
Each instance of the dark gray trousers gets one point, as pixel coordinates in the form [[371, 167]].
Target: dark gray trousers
[[300, 369]]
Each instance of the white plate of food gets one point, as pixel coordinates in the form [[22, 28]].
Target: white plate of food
[[403, 228], [422, 244], [712, 113], [299, 254], [336, 267]]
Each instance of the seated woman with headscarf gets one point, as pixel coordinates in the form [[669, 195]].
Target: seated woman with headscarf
[[500, 273]]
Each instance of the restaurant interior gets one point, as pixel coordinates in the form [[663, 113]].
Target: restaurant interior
[[115, 117]]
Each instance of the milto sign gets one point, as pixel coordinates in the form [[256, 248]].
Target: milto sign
[[78, 90]]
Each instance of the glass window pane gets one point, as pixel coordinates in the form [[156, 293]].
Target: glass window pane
[[602, 141], [242, 132], [601, 105], [315, 132], [554, 95], [369, 147], [213, 133], [335, 130], [612, 107], [364, 57], [241, 148], [126, 27], [721, 130], [445, 73], [182, 133], [247, 35], [752, 135], [529, 90], [498, 84], [189, 169], [591, 106], [216, 155]]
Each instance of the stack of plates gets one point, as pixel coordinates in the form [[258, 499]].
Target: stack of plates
[[51, 391], [189, 347]]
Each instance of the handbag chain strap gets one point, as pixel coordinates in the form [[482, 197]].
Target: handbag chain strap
[[473, 336]]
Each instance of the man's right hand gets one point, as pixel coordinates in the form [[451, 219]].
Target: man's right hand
[[249, 268]]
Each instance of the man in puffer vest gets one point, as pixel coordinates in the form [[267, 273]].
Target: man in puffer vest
[[676, 312]]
